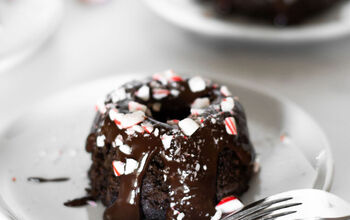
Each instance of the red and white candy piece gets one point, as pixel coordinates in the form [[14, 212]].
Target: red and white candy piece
[[160, 93], [227, 104], [196, 111], [230, 125], [113, 114], [224, 90], [168, 75], [166, 140], [129, 120], [148, 127], [196, 84], [171, 76], [130, 166], [200, 103], [180, 216], [229, 205], [160, 77], [118, 95], [118, 167], [172, 122], [188, 126], [101, 107], [135, 106], [143, 93]]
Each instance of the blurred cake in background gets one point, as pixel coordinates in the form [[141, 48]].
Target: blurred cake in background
[[277, 12]]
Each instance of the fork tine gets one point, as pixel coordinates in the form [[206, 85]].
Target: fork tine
[[265, 212], [254, 207], [277, 215]]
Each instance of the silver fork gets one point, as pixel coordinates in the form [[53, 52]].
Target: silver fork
[[307, 204]]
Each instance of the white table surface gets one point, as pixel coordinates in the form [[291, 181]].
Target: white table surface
[[125, 36]]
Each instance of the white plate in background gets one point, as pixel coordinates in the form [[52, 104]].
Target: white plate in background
[[193, 16], [48, 141], [24, 26]]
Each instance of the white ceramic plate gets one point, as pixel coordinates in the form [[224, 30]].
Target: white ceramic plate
[[24, 26], [48, 141], [193, 16]]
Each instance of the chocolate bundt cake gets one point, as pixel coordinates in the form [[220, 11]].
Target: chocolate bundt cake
[[168, 148], [279, 12]]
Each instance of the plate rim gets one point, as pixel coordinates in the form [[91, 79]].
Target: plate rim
[[272, 37]]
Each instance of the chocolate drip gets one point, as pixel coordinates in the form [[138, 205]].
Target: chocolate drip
[[45, 180], [190, 162], [79, 202]]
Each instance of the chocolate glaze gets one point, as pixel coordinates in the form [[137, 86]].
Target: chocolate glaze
[[45, 180], [189, 164], [277, 12], [79, 201]]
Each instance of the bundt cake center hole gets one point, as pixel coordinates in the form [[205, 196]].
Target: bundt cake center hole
[[172, 112]]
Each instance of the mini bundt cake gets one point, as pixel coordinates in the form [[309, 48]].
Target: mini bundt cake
[[168, 148], [278, 12]]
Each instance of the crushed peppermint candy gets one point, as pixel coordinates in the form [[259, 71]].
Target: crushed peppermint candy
[[148, 127], [118, 140], [126, 149], [201, 103], [118, 95], [135, 106], [224, 90], [227, 104], [100, 141], [166, 76], [196, 84], [217, 215], [143, 93], [101, 107], [156, 132], [130, 166], [130, 131], [172, 122], [166, 140], [180, 216], [118, 168], [113, 114], [229, 205], [129, 120], [197, 112], [230, 125], [160, 93], [188, 126], [137, 128], [175, 92], [160, 77]]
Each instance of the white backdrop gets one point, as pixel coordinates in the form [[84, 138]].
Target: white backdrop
[[125, 36]]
